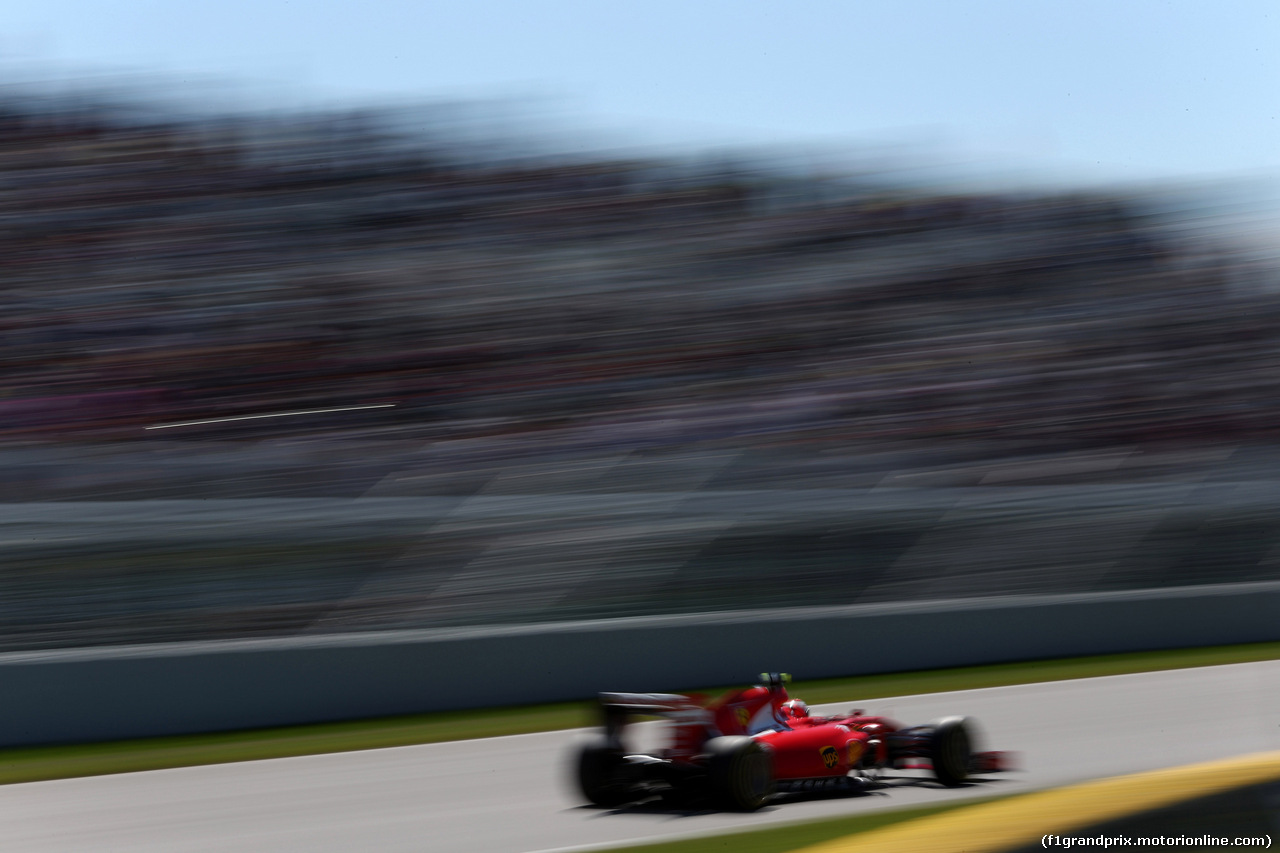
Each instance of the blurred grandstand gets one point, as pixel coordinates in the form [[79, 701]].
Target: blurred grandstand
[[604, 386]]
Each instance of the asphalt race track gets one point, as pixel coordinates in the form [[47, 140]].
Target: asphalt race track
[[510, 794]]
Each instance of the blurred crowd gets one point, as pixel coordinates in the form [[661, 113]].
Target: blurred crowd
[[628, 384], [167, 271]]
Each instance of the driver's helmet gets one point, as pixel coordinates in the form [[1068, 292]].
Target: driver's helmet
[[794, 709]]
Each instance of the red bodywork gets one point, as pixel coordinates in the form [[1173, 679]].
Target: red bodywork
[[803, 747]]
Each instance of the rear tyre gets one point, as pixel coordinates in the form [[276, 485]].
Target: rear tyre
[[951, 750], [740, 772], [601, 775]]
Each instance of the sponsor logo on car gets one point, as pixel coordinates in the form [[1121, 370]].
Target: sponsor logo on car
[[829, 756]]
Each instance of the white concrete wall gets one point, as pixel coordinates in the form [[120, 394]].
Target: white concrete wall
[[113, 693]]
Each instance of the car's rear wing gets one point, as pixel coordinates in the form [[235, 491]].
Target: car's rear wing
[[619, 708], [647, 703]]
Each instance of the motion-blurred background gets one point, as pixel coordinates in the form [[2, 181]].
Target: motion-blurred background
[[324, 368]]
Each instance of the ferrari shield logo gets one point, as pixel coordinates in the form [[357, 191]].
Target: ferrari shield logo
[[744, 716], [829, 756]]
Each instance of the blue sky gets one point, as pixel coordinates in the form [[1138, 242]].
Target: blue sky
[[1101, 90]]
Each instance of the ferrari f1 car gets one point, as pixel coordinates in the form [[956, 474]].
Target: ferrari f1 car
[[737, 749]]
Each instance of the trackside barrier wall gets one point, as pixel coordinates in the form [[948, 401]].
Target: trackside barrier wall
[[126, 692]]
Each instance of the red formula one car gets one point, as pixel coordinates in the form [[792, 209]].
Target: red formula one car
[[738, 749]]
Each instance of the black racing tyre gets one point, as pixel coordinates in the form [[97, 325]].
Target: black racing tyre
[[601, 775], [740, 772], [951, 750]]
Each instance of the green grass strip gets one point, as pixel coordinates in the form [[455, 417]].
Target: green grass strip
[[1027, 672], [31, 764]]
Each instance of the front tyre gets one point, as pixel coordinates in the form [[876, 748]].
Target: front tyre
[[740, 772], [602, 776], [951, 750]]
